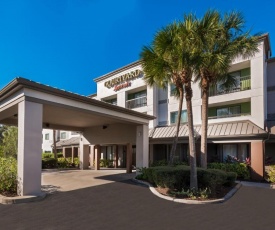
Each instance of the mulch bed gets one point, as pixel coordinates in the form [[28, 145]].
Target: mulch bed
[[8, 194], [219, 193]]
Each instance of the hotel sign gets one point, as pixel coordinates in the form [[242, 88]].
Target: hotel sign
[[123, 81]]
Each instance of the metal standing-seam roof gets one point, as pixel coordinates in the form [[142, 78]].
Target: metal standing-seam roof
[[68, 142], [217, 130]]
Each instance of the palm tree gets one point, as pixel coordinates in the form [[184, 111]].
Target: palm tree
[[219, 40], [169, 60]]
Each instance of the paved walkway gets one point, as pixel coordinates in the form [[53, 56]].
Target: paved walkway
[[126, 205], [68, 180], [254, 184]]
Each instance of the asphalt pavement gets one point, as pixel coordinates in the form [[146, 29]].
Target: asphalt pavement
[[123, 204]]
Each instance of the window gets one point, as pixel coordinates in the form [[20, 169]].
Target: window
[[174, 117], [229, 111], [136, 100], [47, 136], [236, 87], [173, 90], [233, 152], [229, 150], [137, 95], [242, 82], [63, 135], [112, 101], [243, 109]]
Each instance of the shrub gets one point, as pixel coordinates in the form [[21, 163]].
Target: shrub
[[178, 177], [271, 174], [192, 193], [241, 169], [76, 162], [48, 163], [159, 163], [212, 178], [47, 155], [63, 163], [8, 175], [165, 163], [51, 155], [231, 178], [68, 159], [106, 163]]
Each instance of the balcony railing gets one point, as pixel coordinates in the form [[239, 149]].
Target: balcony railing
[[136, 103], [229, 115], [245, 84]]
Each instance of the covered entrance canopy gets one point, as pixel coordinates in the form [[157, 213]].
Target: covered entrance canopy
[[32, 106]]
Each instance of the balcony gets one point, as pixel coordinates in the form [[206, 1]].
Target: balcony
[[136, 103], [233, 110], [245, 84], [229, 115]]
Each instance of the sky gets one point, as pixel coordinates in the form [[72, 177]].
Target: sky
[[68, 43]]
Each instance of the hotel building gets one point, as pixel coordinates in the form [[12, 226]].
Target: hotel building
[[241, 120]]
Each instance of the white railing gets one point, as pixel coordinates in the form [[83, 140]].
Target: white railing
[[245, 84], [229, 115], [136, 103]]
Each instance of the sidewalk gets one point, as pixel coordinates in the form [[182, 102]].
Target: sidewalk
[[254, 184]]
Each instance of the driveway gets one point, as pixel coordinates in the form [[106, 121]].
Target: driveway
[[68, 180], [126, 205]]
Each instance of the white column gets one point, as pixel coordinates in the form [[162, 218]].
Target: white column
[[152, 104], [83, 154], [142, 146], [72, 154], [29, 148], [92, 155], [121, 99], [129, 158], [97, 157]]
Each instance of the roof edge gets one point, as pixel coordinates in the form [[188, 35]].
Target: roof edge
[[126, 67], [266, 39], [20, 82]]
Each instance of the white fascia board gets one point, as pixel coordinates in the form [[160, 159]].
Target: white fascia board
[[84, 106]]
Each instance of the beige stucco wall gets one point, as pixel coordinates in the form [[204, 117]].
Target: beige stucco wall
[[271, 83], [257, 160], [113, 134]]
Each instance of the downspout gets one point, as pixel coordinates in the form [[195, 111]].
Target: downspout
[[264, 142]]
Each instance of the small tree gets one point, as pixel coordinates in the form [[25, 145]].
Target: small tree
[[10, 141]]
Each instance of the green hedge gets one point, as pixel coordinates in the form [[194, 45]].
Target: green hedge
[[178, 177], [165, 163], [8, 175], [242, 169], [51, 155], [271, 174], [106, 163], [49, 163]]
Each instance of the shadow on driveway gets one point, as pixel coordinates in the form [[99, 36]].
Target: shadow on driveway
[[126, 205]]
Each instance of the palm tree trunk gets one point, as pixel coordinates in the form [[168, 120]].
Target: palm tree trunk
[[204, 123], [54, 144], [192, 148], [174, 146]]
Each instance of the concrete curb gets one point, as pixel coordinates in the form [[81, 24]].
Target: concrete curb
[[257, 184], [21, 199], [186, 201]]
